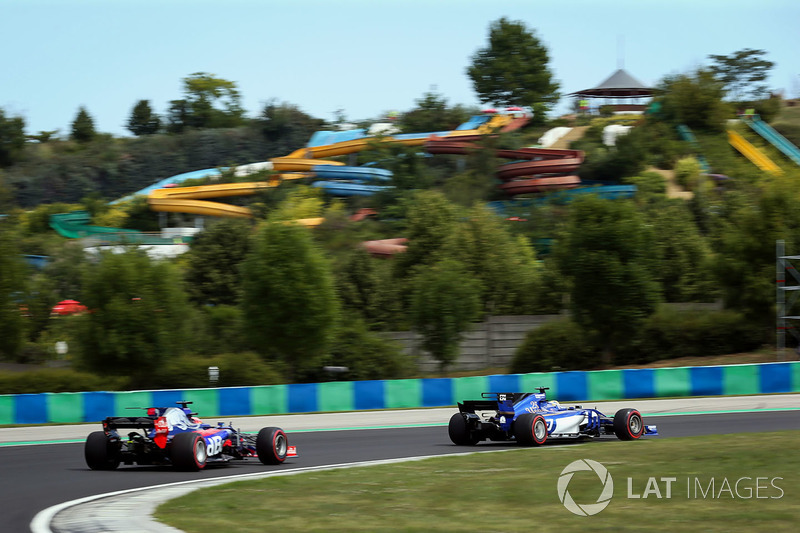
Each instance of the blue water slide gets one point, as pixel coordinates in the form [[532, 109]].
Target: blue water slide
[[324, 138], [342, 188], [776, 139], [474, 122], [688, 136], [331, 172], [178, 178]]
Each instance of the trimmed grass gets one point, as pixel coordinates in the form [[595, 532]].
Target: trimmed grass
[[517, 491]]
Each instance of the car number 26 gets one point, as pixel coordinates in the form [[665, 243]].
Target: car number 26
[[214, 445]]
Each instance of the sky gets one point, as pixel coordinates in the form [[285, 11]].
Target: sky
[[361, 57]]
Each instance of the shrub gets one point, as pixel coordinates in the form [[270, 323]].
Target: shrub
[[57, 380], [687, 173], [235, 370], [671, 333], [558, 345]]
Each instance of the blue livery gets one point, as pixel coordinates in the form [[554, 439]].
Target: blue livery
[[531, 420]]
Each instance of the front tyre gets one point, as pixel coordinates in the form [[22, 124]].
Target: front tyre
[[530, 429], [99, 453], [628, 424], [459, 432], [189, 452], [271, 446]]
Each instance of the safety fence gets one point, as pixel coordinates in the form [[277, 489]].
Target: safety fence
[[70, 407]]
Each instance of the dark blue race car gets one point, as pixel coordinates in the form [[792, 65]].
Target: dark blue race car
[[174, 436], [531, 419]]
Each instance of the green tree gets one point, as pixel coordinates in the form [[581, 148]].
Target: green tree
[[286, 125], [143, 120], [12, 139], [178, 116], [504, 265], [682, 255], [606, 254], [213, 261], [745, 230], [432, 114], [431, 220], [212, 102], [695, 100], [12, 278], [136, 314], [288, 296], [445, 299], [742, 72], [513, 69], [83, 127]]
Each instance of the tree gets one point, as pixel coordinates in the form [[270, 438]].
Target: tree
[[431, 221], [288, 297], [83, 127], [212, 272], [286, 125], [432, 114], [695, 100], [143, 121], [178, 116], [12, 276], [213, 102], [505, 266], [136, 314], [606, 254], [742, 72], [513, 68], [445, 299], [12, 139]]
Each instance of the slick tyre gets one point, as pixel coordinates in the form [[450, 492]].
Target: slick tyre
[[271, 446], [628, 424], [530, 430], [99, 453], [459, 432], [189, 452]]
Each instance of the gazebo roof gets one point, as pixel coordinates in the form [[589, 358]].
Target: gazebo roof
[[618, 85]]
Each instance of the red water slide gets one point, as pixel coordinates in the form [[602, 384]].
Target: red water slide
[[535, 170]]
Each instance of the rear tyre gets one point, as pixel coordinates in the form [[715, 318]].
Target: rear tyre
[[99, 453], [530, 429], [459, 432], [628, 424], [189, 452], [271, 446]]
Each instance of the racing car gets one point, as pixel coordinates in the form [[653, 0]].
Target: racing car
[[531, 420], [175, 436]]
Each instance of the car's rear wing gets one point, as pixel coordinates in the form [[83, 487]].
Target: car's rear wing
[[129, 422], [501, 401]]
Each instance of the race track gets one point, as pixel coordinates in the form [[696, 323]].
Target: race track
[[40, 476]]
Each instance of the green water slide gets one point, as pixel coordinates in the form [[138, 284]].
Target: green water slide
[[75, 225]]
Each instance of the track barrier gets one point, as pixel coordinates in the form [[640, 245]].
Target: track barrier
[[573, 386]]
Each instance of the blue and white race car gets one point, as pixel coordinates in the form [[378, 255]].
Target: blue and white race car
[[175, 436], [531, 419]]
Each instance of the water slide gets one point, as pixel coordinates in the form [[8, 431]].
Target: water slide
[[75, 225], [311, 161], [687, 135], [776, 139], [534, 170], [756, 156]]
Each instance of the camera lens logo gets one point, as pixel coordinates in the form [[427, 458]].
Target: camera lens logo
[[590, 508]]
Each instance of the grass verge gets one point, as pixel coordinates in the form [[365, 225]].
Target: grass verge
[[517, 491]]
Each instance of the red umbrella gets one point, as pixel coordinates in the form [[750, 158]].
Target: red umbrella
[[68, 307]]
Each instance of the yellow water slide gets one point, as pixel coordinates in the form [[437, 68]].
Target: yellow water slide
[[297, 165], [756, 156]]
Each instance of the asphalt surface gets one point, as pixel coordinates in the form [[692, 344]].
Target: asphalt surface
[[40, 476]]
